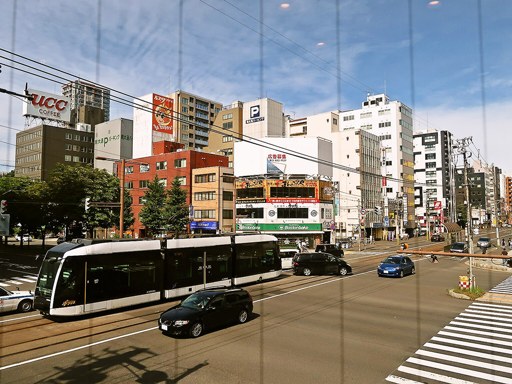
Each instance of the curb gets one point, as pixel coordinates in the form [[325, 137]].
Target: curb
[[458, 295]]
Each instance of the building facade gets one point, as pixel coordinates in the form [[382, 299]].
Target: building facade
[[41, 148], [434, 174], [114, 140], [89, 102]]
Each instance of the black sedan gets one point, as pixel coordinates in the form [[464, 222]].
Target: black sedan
[[437, 237], [206, 310], [398, 266]]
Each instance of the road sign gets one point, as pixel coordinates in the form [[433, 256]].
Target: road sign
[[363, 211], [386, 221]]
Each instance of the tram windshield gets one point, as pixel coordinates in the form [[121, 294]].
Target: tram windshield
[[47, 274]]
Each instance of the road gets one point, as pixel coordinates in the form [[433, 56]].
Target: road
[[355, 329]]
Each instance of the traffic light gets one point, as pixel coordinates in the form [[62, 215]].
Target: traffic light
[[87, 204], [378, 210], [3, 206]]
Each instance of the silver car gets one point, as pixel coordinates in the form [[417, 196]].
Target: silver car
[[484, 242]]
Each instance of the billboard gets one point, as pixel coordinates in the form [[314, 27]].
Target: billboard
[[47, 106], [162, 114]]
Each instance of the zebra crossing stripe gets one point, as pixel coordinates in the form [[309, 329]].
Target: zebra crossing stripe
[[459, 370], [433, 376], [461, 343], [27, 280], [465, 361], [488, 327], [469, 321], [475, 338], [484, 311], [477, 332], [4, 285], [400, 380], [483, 355]]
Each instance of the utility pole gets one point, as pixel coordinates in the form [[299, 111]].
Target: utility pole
[[461, 146]]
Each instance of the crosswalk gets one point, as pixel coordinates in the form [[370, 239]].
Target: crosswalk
[[18, 281], [475, 347], [504, 287]]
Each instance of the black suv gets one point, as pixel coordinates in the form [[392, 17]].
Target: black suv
[[330, 248], [205, 310], [319, 263]]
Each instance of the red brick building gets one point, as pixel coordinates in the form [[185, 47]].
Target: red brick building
[[169, 160]]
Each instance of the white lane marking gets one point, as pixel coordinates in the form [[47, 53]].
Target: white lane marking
[[19, 318], [464, 314], [477, 332], [433, 376], [75, 349], [460, 371], [487, 312], [26, 280]]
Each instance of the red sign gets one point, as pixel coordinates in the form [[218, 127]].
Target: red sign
[[437, 204], [47, 106], [162, 114]]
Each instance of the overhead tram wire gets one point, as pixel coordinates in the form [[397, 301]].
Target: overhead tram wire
[[149, 109]]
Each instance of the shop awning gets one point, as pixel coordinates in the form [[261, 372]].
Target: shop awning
[[452, 227]]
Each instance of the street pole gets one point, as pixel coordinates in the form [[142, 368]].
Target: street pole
[[121, 201]]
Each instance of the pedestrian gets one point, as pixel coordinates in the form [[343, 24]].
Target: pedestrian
[[510, 242], [503, 245], [504, 253]]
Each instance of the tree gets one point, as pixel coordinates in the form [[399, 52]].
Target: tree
[[176, 209], [151, 214]]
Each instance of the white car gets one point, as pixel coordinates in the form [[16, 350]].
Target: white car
[[26, 238], [21, 301], [286, 256]]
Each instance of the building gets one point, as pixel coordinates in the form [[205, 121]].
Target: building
[[507, 207], [89, 102], [263, 118], [227, 128], [39, 149], [434, 174], [213, 202], [282, 191], [167, 163], [113, 140]]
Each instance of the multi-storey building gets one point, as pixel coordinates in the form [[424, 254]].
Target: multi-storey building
[[114, 140], [507, 206], [356, 172], [40, 148], [167, 163], [434, 174], [282, 191], [89, 102], [227, 128]]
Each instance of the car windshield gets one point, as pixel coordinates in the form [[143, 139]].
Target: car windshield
[[196, 301], [484, 239], [392, 260], [458, 246]]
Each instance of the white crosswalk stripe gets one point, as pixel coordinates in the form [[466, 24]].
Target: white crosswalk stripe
[[504, 287], [17, 281], [476, 346]]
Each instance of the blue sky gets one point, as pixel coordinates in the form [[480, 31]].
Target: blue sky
[[135, 49]]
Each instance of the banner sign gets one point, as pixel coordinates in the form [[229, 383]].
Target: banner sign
[[162, 114]]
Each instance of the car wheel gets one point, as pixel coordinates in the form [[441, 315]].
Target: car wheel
[[401, 273], [196, 330], [25, 306], [413, 271], [243, 315], [306, 271], [343, 271]]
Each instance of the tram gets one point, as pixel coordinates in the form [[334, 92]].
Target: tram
[[91, 276]]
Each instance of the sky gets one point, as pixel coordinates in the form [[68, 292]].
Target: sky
[[449, 60]]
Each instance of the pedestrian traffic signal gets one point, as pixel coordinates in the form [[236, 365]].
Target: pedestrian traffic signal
[[87, 203], [378, 210], [3, 206]]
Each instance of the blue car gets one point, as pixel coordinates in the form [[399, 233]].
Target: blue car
[[397, 266]]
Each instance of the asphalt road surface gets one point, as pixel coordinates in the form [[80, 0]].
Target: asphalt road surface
[[354, 329]]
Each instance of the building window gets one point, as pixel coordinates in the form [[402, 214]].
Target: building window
[[142, 200], [160, 165], [250, 213], [226, 139], [430, 165], [349, 117], [227, 195], [180, 163], [143, 183], [199, 196], [227, 125], [204, 214], [430, 156], [385, 124], [182, 180], [67, 158], [292, 213], [128, 185], [163, 182], [144, 168], [205, 178], [227, 213], [128, 169], [227, 116]]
